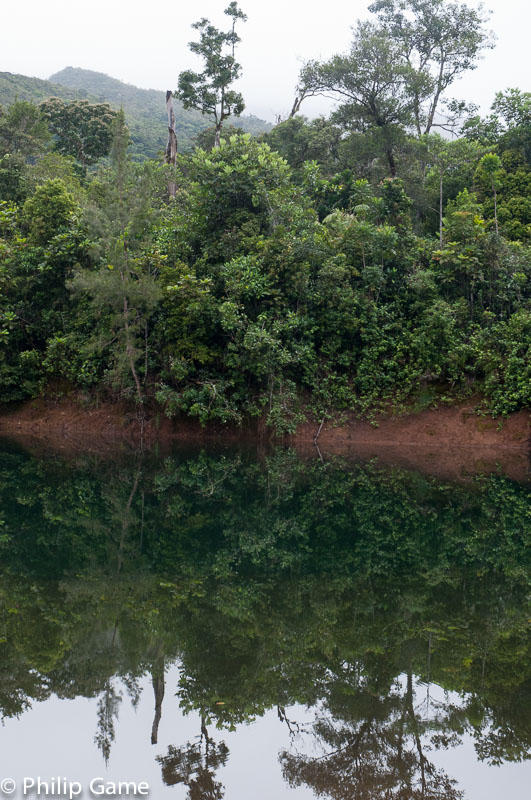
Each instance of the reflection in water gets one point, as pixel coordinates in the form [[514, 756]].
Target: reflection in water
[[273, 582], [195, 765], [159, 687], [378, 754], [108, 705]]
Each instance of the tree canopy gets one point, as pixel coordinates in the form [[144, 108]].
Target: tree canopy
[[80, 129], [210, 91]]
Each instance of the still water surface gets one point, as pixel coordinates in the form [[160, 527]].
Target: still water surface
[[226, 625]]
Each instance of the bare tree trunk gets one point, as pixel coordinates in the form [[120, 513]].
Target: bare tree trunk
[[217, 138], [296, 106], [171, 147], [433, 106], [301, 94]]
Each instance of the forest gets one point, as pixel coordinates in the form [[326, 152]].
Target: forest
[[374, 259]]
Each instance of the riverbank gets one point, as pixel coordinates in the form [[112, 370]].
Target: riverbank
[[449, 442]]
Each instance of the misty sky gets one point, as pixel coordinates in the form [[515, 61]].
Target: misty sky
[[145, 43]]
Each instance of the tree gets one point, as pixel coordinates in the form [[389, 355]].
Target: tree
[[447, 157], [298, 140], [123, 292], [13, 179], [514, 107], [506, 133], [490, 173], [508, 126], [81, 129], [371, 81], [40, 244], [48, 212], [209, 91], [371, 742], [399, 67], [437, 41], [23, 130], [195, 765], [24, 136]]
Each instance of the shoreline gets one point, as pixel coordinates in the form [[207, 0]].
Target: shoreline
[[450, 443]]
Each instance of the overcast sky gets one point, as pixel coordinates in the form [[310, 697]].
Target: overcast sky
[[145, 43]]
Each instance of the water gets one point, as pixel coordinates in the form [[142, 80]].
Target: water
[[222, 624]]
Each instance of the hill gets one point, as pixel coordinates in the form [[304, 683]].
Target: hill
[[20, 87], [145, 109]]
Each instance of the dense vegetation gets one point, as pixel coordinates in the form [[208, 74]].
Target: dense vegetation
[[336, 264], [274, 582]]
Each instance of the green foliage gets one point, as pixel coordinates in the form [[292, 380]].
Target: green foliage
[[23, 130], [206, 139], [13, 179], [52, 166], [210, 91], [437, 42], [504, 179], [80, 129], [40, 245], [503, 352], [371, 81], [286, 279], [235, 185], [299, 140], [122, 292], [398, 69], [48, 212], [508, 126]]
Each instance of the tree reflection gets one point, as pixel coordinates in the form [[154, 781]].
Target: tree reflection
[[374, 748], [311, 584], [159, 686], [195, 765], [108, 707]]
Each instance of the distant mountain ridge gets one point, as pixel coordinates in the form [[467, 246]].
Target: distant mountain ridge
[[145, 109]]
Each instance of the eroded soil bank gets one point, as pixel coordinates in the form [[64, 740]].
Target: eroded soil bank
[[450, 443]]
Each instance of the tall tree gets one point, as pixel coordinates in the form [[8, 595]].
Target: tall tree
[[398, 69], [508, 127], [438, 41], [371, 81], [209, 91]]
